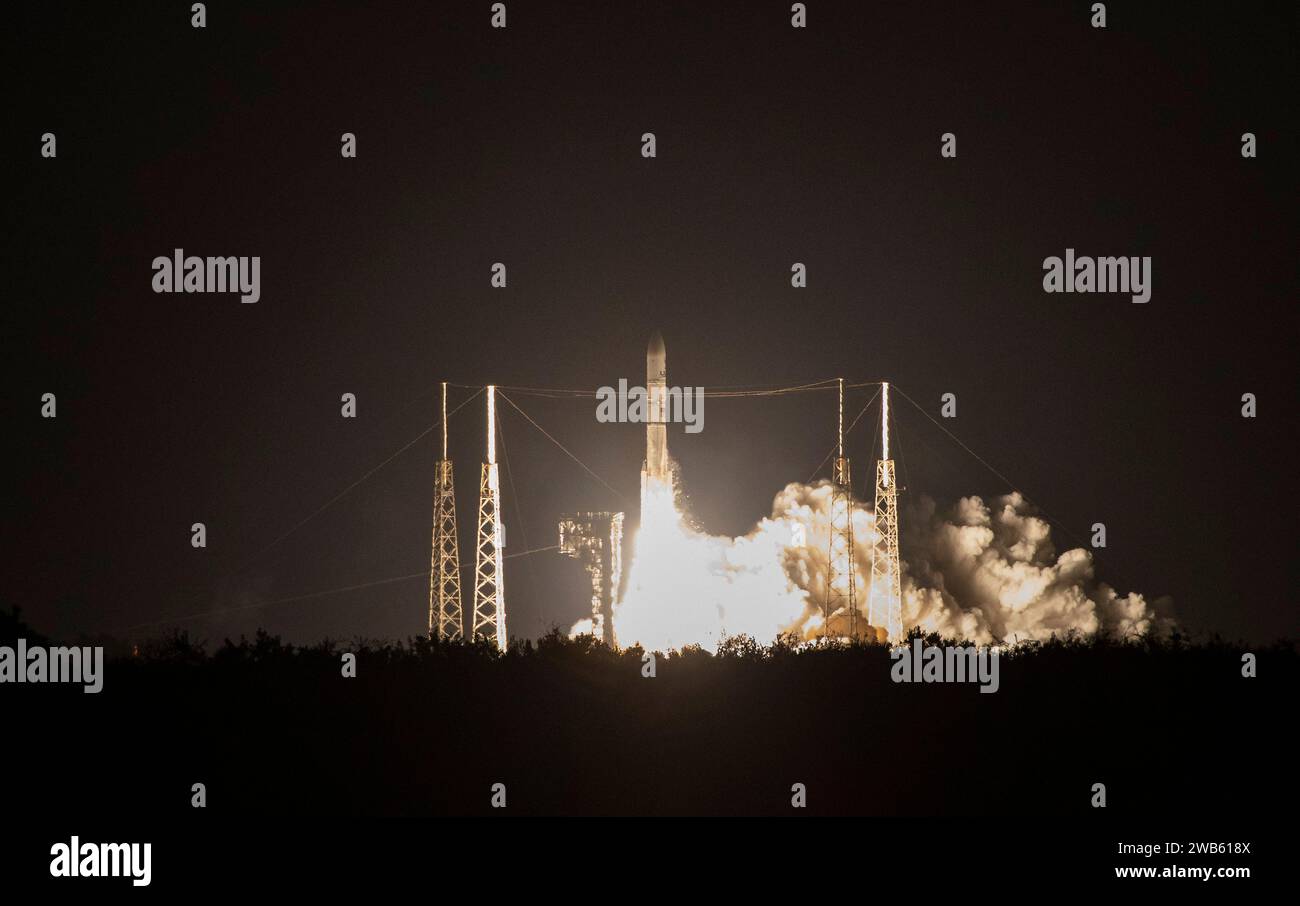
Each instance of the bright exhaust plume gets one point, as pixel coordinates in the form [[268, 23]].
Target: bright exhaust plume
[[981, 572]]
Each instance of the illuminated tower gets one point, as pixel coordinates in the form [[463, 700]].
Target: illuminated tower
[[596, 541], [841, 581], [444, 568], [489, 585], [885, 606]]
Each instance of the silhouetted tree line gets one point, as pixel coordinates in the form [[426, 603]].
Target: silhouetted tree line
[[570, 726]]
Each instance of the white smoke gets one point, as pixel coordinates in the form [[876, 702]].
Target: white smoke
[[989, 573], [979, 573]]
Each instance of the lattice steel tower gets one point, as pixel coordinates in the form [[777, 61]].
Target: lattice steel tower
[[841, 578], [885, 605], [445, 617], [489, 584]]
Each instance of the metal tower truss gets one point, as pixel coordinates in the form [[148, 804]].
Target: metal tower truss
[[885, 605], [489, 589], [841, 581], [596, 541], [841, 578], [445, 618], [489, 580]]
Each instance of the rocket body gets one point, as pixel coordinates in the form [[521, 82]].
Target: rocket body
[[656, 430]]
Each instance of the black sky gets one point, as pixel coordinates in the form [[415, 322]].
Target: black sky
[[775, 145]]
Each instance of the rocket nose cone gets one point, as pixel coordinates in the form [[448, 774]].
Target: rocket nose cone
[[656, 345]]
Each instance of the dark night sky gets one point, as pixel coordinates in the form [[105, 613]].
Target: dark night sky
[[775, 145]]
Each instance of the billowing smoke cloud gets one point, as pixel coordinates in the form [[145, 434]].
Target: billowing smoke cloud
[[990, 572], [976, 571]]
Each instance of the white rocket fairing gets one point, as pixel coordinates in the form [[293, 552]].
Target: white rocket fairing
[[655, 468]]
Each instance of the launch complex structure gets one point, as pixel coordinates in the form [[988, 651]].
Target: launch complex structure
[[445, 612], [595, 539], [841, 614], [885, 604]]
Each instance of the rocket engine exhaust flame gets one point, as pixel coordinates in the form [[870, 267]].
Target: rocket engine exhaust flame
[[984, 573]]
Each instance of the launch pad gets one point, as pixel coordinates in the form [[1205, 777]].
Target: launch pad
[[595, 538]]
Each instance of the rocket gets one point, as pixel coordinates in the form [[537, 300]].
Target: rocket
[[656, 430]]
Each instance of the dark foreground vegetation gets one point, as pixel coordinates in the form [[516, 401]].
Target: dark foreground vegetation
[[1170, 727]]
